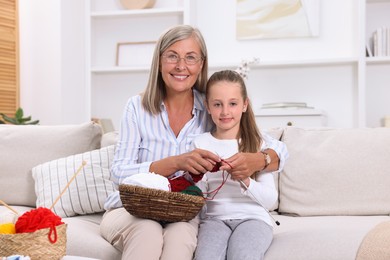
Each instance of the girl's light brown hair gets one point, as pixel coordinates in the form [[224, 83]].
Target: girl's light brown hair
[[248, 137]]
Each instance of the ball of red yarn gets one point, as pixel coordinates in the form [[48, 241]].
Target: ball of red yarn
[[36, 219], [179, 184]]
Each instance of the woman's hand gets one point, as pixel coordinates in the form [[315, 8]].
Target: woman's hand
[[197, 161]]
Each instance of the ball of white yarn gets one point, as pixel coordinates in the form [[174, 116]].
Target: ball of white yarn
[[8, 217], [148, 180]]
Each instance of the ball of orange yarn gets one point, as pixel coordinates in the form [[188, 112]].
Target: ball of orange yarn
[[7, 228]]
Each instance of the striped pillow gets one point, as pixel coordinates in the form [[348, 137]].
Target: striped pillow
[[87, 192]]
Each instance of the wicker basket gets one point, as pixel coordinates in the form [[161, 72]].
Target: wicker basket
[[163, 206], [36, 244]]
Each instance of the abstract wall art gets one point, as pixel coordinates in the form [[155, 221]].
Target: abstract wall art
[[257, 19]]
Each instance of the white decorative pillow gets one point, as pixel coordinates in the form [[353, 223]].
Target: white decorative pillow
[[86, 194]]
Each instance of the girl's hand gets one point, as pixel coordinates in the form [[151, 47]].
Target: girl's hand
[[242, 165], [197, 161]]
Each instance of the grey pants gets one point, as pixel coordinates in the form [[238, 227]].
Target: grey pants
[[243, 239]]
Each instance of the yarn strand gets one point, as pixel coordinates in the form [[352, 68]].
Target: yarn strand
[[220, 186]]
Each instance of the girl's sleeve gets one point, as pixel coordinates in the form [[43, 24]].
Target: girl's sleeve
[[263, 189]]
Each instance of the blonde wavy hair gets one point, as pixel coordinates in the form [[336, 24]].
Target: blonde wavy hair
[[155, 91]]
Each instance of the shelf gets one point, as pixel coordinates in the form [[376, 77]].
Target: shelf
[[290, 63], [138, 13], [265, 64], [377, 1], [289, 112], [103, 70], [378, 60], [325, 62]]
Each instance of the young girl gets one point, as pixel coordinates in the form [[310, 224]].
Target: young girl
[[234, 225]]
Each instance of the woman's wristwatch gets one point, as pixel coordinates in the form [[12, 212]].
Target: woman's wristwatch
[[267, 160]]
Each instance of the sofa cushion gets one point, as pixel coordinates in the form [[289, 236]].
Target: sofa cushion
[[336, 172], [84, 193], [23, 147], [110, 138], [320, 238]]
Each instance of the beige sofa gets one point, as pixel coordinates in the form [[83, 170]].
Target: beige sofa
[[334, 189], [58, 152]]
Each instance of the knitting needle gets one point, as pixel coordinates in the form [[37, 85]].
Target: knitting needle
[[178, 176], [8, 207], [246, 187], [67, 185]]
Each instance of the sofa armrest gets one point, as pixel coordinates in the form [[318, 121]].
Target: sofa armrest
[[109, 138]]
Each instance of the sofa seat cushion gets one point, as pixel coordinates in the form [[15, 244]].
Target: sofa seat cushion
[[320, 238], [336, 172], [25, 146]]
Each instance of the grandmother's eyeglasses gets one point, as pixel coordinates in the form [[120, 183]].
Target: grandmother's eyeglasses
[[173, 58]]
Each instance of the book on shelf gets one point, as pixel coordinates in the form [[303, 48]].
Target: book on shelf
[[368, 50], [381, 41], [285, 105]]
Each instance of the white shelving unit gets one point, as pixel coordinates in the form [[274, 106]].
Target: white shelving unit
[[377, 69], [349, 87], [108, 23]]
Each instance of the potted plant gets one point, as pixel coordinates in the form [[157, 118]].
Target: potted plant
[[18, 119]]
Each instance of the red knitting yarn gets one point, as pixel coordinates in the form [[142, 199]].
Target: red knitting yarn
[[198, 177], [179, 184], [36, 219]]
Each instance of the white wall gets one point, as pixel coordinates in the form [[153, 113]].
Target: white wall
[[53, 57], [329, 88], [336, 40], [52, 60], [40, 51]]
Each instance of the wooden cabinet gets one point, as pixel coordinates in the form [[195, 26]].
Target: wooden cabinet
[[9, 57]]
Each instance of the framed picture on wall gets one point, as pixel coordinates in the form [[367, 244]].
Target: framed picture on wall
[[277, 19], [134, 53]]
